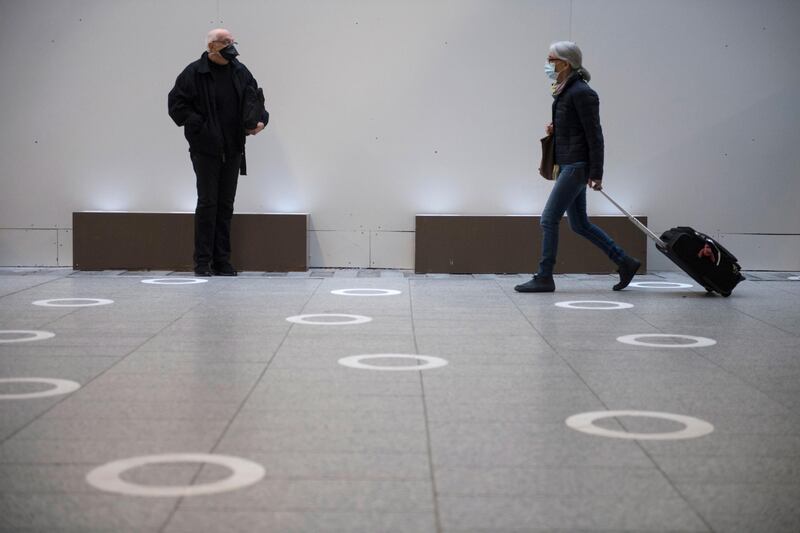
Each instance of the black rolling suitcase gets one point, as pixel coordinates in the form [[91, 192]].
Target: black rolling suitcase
[[700, 256]]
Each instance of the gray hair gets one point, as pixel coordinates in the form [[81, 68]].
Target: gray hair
[[569, 52]]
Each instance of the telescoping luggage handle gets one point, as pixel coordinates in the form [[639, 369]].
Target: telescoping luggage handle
[[638, 224]]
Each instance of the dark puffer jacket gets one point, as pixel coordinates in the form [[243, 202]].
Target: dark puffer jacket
[[576, 127], [192, 104]]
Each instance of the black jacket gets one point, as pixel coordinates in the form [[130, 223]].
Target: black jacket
[[191, 104], [576, 127]]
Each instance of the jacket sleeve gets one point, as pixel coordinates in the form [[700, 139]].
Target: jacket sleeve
[[179, 102], [587, 105]]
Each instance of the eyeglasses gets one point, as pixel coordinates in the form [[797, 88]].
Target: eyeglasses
[[226, 42]]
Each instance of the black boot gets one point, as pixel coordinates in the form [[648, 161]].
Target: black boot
[[627, 269], [537, 284], [203, 271], [224, 269]]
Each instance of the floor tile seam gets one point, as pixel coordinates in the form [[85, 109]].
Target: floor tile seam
[[176, 375], [321, 410], [784, 484], [312, 510], [54, 463], [605, 405], [486, 421], [262, 452], [428, 444], [792, 333], [67, 314], [350, 432], [345, 479], [329, 410], [348, 396], [732, 456], [673, 484], [279, 509], [92, 380], [88, 489], [578, 494], [321, 452], [243, 402], [715, 364], [560, 529], [397, 454], [546, 468], [50, 322], [140, 419], [737, 377], [554, 349], [31, 287]]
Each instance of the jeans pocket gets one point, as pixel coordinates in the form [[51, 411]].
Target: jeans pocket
[[574, 171]]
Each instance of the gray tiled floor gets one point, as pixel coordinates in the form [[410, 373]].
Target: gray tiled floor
[[479, 445]]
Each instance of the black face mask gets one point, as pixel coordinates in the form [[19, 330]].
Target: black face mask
[[229, 52]]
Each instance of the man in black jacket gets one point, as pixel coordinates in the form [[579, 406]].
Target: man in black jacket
[[218, 103]]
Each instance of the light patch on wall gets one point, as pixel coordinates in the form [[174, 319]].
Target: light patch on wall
[[437, 196], [282, 205], [187, 203], [522, 201], [109, 201]]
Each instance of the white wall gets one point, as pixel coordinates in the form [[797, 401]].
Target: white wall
[[382, 109]]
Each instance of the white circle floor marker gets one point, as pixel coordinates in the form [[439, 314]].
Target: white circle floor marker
[[73, 302], [660, 285], [314, 319], [695, 427], [107, 477], [174, 281], [366, 292], [60, 386], [594, 305], [29, 335], [698, 342], [354, 361]]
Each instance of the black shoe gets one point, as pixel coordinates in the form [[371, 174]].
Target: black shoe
[[203, 271], [627, 269], [537, 284], [225, 269]]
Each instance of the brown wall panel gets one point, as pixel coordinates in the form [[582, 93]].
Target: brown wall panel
[[165, 241], [495, 244]]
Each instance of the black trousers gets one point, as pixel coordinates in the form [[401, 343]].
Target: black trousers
[[217, 178]]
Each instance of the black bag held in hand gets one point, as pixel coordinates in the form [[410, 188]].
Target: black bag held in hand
[[546, 166], [253, 110], [700, 256]]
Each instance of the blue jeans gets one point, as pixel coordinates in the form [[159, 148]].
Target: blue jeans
[[569, 194]]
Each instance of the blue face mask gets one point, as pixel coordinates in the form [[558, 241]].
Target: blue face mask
[[550, 71]]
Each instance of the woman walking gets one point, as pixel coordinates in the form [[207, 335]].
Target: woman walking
[[578, 151]]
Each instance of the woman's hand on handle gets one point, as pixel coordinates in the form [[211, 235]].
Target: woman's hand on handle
[[597, 185]]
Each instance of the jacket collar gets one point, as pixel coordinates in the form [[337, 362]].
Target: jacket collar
[[204, 68], [573, 77]]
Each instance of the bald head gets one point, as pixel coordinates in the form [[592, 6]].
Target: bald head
[[220, 35]]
